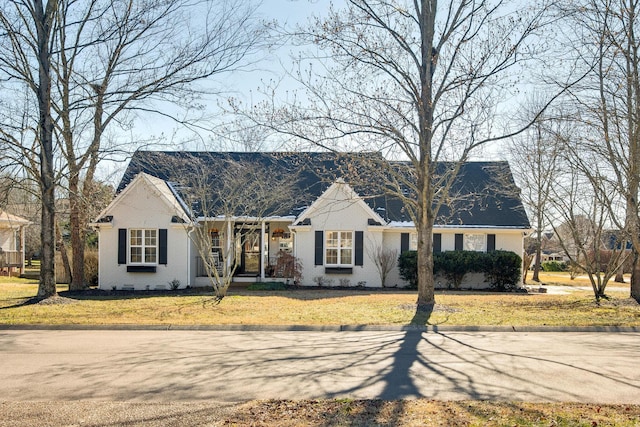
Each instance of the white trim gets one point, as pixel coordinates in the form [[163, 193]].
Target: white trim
[[263, 230], [245, 218], [339, 248], [143, 246], [404, 227], [339, 185], [153, 182]]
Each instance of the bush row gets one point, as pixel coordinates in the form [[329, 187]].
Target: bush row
[[554, 266], [501, 268]]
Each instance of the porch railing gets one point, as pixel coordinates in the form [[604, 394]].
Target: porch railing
[[10, 259], [201, 269]]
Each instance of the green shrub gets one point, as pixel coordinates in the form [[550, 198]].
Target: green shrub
[[455, 265], [502, 269], [408, 266], [267, 286], [554, 266]]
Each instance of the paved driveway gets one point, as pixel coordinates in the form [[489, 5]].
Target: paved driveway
[[237, 366]]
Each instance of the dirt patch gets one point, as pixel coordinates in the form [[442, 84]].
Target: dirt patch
[[622, 302], [55, 300]]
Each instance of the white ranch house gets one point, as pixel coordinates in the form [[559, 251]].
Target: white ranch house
[[333, 229]]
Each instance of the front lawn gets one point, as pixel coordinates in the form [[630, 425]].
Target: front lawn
[[319, 307], [313, 306]]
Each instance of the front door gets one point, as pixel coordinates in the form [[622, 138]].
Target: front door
[[250, 253]]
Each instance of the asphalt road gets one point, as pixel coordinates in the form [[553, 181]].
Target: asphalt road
[[229, 366]]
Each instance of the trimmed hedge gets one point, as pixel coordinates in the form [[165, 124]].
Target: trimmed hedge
[[408, 266], [456, 264], [501, 268]]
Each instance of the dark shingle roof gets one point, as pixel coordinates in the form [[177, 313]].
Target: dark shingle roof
[[483, 193]]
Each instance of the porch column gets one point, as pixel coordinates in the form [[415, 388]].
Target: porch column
[[231, 241], [21, 243], [262, 243]]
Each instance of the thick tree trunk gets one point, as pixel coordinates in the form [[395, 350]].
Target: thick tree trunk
[[635, 276], [47, 285], [426, 280], [76, 222], [538, 264], [62, 248], [43, 20], [424, 212]]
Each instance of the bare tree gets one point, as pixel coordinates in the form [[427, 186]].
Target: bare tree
[[385, 259], [26, 44], [581, 219], [229, 205], [116, 59], [534, 154], [608, 105], [420, 81]]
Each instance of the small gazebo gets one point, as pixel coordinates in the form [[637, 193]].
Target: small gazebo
[[12, 237]]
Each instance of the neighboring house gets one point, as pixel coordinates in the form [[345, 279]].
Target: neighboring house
[[337, 218], [12, 237], [547, 257]]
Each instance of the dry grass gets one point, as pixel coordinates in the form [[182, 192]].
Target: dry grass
[[431, 413], [564, 279], [320, 307], [319, 413], [316, 307]]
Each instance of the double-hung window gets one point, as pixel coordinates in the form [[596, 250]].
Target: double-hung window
[[143, 246], [339, 248]]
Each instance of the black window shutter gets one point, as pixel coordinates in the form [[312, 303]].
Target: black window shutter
[[437, 242], [122, 245], [404, 242], [162, 246], [359, 248], [459, 240], [491, 242], [319, 247]]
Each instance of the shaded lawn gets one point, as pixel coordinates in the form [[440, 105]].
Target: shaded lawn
[[315, 307]]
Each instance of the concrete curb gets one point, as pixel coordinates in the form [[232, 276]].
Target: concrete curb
[[327, 328]]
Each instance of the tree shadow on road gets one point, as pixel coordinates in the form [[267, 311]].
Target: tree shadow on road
[[398, 381]]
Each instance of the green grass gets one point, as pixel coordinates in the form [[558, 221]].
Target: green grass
[[316, 307]]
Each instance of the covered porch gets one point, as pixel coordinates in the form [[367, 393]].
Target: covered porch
[[12, 244], [254, 248]]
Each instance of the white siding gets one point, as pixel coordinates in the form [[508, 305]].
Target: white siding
[[145, 206], [338, 210], [142, 207]]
